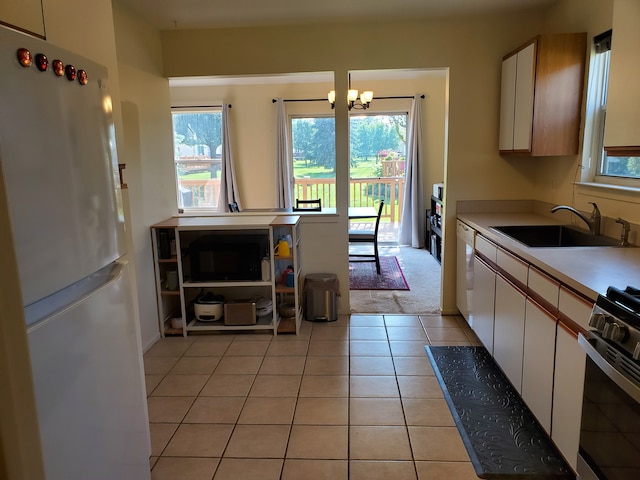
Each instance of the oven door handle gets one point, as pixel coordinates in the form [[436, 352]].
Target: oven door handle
[[616, 377]]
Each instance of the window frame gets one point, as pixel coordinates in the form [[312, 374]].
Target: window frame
[[192, 110], [299, 116], [594, 155]]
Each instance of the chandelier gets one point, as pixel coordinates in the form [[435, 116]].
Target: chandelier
[[361, 102]]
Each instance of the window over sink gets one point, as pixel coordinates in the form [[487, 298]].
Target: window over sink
[[599, 166]]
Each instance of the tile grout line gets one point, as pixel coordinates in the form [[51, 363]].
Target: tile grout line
[[404, 414], [306, 355]]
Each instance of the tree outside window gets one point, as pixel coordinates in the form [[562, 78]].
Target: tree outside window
[[377, 158], [197, 140]]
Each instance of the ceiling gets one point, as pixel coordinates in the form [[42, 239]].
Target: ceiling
[[181, 14]]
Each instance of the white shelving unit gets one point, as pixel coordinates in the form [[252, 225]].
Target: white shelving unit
[[180, 232]]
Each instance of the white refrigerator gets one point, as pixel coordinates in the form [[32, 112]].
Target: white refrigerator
[[58, 160]]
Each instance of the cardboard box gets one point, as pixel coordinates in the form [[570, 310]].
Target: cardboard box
[[240, 312]]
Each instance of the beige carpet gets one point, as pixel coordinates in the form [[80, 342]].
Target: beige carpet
[[422, 272]]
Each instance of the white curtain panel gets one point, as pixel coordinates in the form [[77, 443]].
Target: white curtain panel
[[284, 180], [413, 209], [228, 184]]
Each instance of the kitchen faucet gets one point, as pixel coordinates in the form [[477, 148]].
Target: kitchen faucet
[[593, 222], [624, 236]]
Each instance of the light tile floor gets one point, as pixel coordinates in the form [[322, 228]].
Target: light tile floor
[[353, 399]]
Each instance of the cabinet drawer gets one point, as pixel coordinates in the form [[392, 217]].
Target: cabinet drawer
[[543, 287], [465, 233], [513, 266], [486, 248], [575, 307]]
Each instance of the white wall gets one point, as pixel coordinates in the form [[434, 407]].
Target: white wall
[[252, 119], [471, 48], [555, 177], [146, 149], [253, 115]]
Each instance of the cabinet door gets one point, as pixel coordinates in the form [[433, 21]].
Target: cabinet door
[[523, 116], [567, 394], [537, 362], [508, 336], [516, 107], [507, 102], [25, 15], [464, 269], [484, 283]]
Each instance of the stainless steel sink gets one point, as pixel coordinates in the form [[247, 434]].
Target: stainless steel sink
[[554, 236]]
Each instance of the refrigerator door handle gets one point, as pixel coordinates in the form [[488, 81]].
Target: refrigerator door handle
[[43, 311]]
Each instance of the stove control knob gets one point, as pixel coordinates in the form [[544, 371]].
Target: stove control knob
[[615, 332], [636, 352], [597, 321]]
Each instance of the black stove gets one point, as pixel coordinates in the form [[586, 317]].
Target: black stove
[[616, 317], [610, 429]]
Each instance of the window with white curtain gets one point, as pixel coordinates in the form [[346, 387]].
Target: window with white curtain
[[314, 158]]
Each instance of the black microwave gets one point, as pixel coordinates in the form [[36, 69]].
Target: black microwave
[[234, 257]]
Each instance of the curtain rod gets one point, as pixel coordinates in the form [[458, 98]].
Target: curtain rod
[[326, 100], [198, 106], [273, 100]]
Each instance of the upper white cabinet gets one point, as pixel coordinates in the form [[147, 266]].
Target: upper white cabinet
[[24, 15], [623, 97], [516, 104], [541, 98]]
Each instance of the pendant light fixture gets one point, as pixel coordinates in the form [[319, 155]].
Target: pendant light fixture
[[354, 101]]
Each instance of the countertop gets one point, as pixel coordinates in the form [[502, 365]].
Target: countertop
[[588, 270], [229, 221]]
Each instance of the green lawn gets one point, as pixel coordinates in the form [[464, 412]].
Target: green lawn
[[362, 170]]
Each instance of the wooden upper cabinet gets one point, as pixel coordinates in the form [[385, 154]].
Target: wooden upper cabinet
[[23, 15], [623, 97], [541, 101]]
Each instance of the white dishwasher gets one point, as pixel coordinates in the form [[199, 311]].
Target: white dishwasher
[[465, 236]]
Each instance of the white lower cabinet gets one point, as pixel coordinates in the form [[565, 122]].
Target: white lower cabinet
[[567, 394], [464, 269], [508, 336], [538, 362], [569, 375], [531, 336], [484, 286]]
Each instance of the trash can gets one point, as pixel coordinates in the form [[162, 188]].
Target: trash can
[[321, 292]]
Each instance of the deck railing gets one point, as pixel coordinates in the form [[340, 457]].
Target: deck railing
[[363, 192], [200, 193]]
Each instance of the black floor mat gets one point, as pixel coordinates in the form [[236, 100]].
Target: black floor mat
[[500, 433]]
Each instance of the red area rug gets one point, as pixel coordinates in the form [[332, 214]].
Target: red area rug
[[363, 275]]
